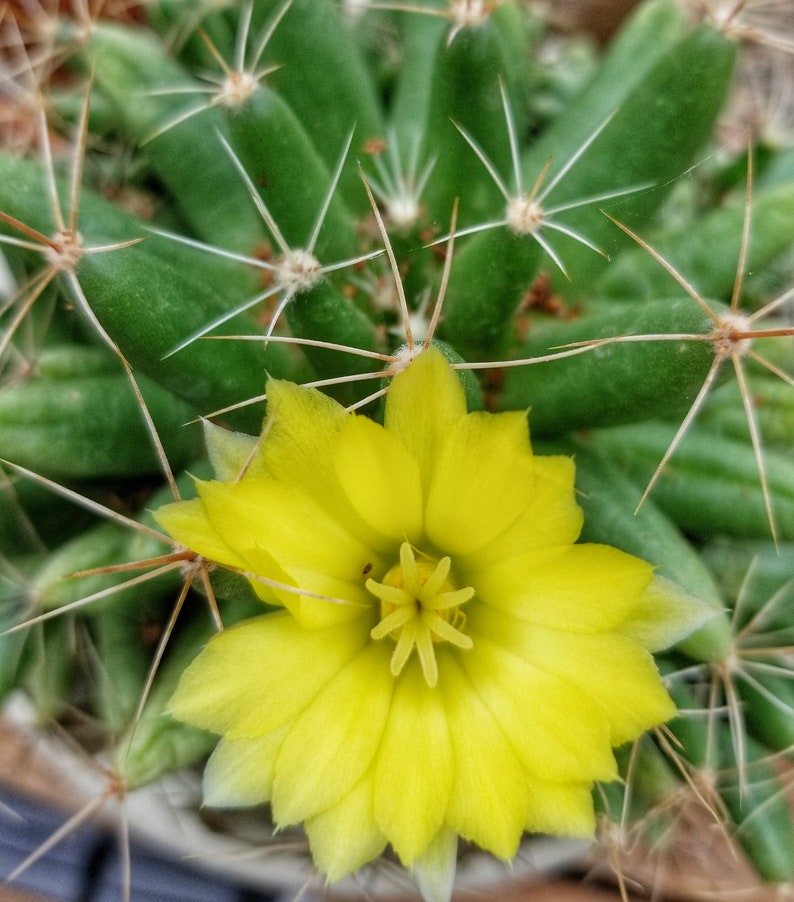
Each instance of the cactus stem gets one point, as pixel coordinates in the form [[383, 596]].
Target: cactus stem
[[89, 504], [62, 253], [236, 83], [400, 191], [751, 641], [404, 356], [724, 672], [730, 339], [699, 781], [310, 342], [297, 270], [394, 362], [63, 250], [316, 383], [166, 636], [96, 596], [525, 213]]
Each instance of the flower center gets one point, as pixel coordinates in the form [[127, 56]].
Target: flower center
[[419, 606]]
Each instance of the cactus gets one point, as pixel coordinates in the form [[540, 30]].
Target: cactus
[[313, 192]]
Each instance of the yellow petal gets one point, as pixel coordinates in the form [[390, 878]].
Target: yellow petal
[[203, 524], [187, 522], [618, 675], [240, 771], [551, 517], [345, 837], [423, 403], [413, 770], [331, 600], [562, 809], [488, 799], [298, 448], [300, 431], [254, 677], [270, 580], [381, 480], [484, 479], [268, 519], [582, 588], [332, 742], [555, 729], [290, 525]]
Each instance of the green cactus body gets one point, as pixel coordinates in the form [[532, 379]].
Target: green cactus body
[[131, 69]]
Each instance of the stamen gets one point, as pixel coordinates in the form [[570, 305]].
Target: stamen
[[427, 654], [437, 579], [393, 621], [420, 607]]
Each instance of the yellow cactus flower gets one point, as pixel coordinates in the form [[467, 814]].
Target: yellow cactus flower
[[447, 662]]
